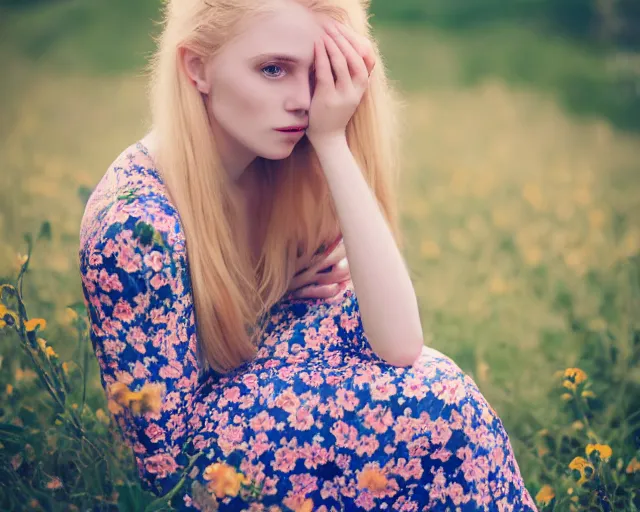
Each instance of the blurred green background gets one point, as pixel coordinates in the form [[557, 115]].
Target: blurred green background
[[521, 185]]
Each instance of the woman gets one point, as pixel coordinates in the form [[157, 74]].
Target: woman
[[286, 396]]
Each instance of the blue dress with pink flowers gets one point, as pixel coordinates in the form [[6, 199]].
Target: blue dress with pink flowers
[[316, 421]]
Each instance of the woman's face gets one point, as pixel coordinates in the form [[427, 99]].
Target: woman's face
[[262, 80]]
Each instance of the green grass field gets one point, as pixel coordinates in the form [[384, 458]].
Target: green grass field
[[520, 204]]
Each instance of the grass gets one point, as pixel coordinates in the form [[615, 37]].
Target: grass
[[519, 202]]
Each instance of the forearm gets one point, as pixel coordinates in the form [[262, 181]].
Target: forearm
[[387, 299]]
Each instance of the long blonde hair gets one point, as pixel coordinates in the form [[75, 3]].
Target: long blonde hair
[[230, 294]]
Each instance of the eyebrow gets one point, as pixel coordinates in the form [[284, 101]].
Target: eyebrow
[[279, 56]]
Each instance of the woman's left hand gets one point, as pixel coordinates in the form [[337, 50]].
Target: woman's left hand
[[324, 279], [350, 58]]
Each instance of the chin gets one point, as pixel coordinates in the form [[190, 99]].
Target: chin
[[275, 153]]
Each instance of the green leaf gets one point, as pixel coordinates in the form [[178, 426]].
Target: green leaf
[[45, 231]]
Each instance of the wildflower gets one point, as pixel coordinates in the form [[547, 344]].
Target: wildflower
[[577, 425], [54, 483], [50, 352], [634, 466], [372, 479], [42, 343], [148, 399], [20, 260], [545, 495], [583, 468], [223, 480], [9, 389], [102, 417], [7, 317], [566, 396], [604, 451], [573, 377], [65, 367], [588, 394], [34, 323], [70, 315]]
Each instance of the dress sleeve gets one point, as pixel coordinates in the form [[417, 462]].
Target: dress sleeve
[[137, 292]]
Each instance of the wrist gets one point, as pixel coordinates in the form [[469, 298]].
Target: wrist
[[328, 142]]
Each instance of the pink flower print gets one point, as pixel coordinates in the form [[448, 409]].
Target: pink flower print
[[457, 495], [263, 421], [157, 317], [441, 454], [161, 465], [200, 443], [419, 447], [349, 322], [382, 389], [172, 370], [109, 282], [378, 419], [347, 399], [282, 350], [158, 281], [232, 394], [154, 433], [137, 338], [260, 443], [303, 483], [288, 401], [250, 380], [404, 429], [154, 260], [315, 455], [334, 359], [438, 490], [449, 391], [139, 371], [301, 419], [109, 248], [368, 445], [95, 259], [475, 469], [128, 260], [365, 500], [312, 339], [122, 311], [411, 469], [285, 460], [441, 433], [229, 438], [414, 387], [345, 435]]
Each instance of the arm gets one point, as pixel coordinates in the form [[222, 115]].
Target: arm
[[386, 297], [136, 288], [387, 300]]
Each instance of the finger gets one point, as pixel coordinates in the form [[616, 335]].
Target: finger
[[338, 63], [324, 76], [361, 43], [337, 275], [338, 253], [355, 62], [317, 292]]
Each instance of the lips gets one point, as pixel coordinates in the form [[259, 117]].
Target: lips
[[292, 129]]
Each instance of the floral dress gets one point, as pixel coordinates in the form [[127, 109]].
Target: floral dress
[[317, 421]]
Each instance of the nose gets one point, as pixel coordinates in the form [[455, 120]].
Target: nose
[[299, 96]]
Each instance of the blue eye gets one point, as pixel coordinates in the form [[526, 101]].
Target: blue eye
[[270, 66]]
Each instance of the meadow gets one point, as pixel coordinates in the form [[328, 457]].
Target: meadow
[[520, 205]]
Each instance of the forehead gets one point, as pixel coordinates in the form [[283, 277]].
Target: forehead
[[290, 30]]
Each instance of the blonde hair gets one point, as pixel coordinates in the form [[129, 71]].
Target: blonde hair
[[230, 294]]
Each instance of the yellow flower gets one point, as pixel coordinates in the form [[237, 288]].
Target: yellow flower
[[148, 399], [584, 467], [9, 389], [31, 325], [566, 396], [102, 417], [70, 315], [65, 367], [573, 377], [50, 352], [20, 260], [545, 495], [577, 425], [634, 466], [54, 483], [223, 479], [588, 394], [603, 450], [372, 479], [7, 317]]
